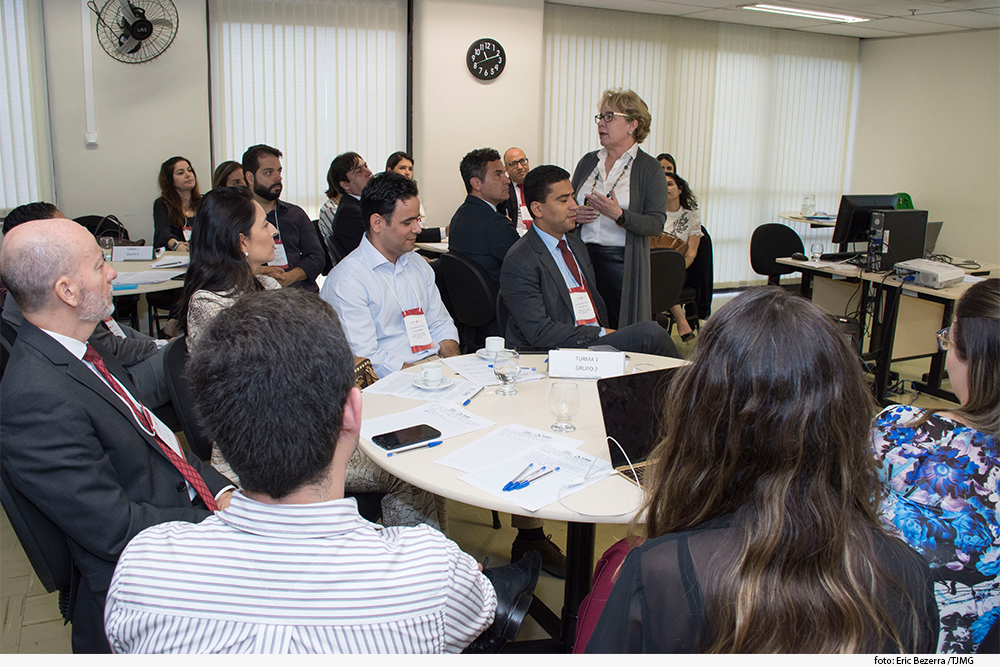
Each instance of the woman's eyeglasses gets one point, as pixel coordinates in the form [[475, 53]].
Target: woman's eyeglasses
[[944, 339], [608, 116]]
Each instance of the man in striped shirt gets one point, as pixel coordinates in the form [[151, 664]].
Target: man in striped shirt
[[290, 566]]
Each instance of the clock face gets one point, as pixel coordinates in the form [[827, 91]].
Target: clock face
[[486, 59]]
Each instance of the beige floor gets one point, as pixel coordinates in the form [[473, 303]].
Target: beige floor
[[32, 624]]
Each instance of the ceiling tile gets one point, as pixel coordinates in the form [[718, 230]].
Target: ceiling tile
[[962, 19], [747, 17], [855, 30]]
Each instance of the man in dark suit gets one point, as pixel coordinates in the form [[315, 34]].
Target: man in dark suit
[[478, 230], [77, 443], [548, 280], [515, 208], [351, 174]]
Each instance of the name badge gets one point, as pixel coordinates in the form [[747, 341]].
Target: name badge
[[525, 215], [280, 257], [187, 233], [113, 326], [417, 332], [585, 364], [132, 253], [583, 307]]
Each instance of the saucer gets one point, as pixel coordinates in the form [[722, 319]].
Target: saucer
[[483, 354], [445, 382]]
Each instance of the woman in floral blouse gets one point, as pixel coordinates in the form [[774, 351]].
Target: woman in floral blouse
[[941, 473]]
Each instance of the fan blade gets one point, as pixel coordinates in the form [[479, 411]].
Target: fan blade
[[166, 23], [127, 11], [129, 44]]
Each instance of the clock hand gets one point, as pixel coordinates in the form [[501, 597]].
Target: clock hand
[[485, 59]]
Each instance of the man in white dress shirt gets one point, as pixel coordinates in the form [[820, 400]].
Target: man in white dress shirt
[[290, 566], [383, 292], [516, 163]]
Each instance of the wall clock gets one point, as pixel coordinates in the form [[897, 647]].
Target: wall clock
[[486, 59]]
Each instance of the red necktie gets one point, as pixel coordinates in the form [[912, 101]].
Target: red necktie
[[142, 416], [571, 264], [520, 190]]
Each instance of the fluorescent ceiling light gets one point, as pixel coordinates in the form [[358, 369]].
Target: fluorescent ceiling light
[[805, 13]]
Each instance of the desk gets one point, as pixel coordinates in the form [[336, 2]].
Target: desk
[[930, 310], [133, 266], [613, 495], [438, 248], [795, 216]]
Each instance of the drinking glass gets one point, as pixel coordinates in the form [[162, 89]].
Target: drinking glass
[[107, 245], [643, 368], [507, 366], [564, 401], [815, 251], [809, 205]]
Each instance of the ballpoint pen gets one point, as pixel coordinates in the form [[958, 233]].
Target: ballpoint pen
[[510, 485], [523, 484], [469, 399], [424, 446]]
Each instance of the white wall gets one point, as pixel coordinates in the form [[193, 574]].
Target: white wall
[[928, 124], [145, 114], [453, 112]]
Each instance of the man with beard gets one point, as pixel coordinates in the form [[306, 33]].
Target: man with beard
[[298, 255], [515, 208], [77, 444]]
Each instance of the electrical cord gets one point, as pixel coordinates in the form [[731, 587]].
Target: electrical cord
[[586, 478]]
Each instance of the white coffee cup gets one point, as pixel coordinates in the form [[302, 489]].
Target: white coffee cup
[[494, 344], [432, 374]]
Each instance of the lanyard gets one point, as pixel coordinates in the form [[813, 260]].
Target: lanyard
[[598, 177], [393, 292]]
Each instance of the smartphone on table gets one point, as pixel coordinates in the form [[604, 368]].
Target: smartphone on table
[[404, 437]]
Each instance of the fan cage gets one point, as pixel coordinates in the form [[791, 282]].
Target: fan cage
[[114, 35]]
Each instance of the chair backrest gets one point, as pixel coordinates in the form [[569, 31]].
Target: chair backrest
[[503, 314], [175, 358], [329, 262], [701, 275], [472, 292], [44, 544], [769, 242], [103, 225], [666, 276], [8, 336]]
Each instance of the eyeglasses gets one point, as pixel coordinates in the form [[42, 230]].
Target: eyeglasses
[[608, 116], [523, 162], [944, 339]]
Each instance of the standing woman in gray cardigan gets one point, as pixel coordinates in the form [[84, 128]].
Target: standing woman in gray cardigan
[[623, 198]]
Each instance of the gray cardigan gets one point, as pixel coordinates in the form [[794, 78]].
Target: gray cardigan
[[645, 217]]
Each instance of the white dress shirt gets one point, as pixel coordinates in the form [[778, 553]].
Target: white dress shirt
[[551, 243], [605, 231], [370, 294], [314, 578]]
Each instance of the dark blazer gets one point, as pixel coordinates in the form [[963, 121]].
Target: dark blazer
[[481, 234], [73, 449], [347, 226], [541, 313]]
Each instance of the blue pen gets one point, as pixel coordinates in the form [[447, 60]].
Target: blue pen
[[114, 287], [425, 446], [469, 399], [527, 368], [509, 485], [521, 485], [520, 482]]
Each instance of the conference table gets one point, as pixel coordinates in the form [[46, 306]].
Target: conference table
[[134, 266], [611, 500], [902, 306]]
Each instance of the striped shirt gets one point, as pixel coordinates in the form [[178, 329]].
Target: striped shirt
[[316, 578]]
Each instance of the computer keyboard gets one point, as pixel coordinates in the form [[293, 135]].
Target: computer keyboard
[[838, 256]]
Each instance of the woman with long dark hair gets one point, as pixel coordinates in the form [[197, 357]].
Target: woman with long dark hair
[[762, 531], [232, 240], [174, 209], [229, 174], [941, 474]]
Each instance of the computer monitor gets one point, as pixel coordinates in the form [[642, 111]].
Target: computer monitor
[[855, 213]]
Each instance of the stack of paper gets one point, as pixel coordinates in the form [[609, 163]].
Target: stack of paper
[[479, 371], [401, 384]]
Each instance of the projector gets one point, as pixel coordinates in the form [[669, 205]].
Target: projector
[[936, 275]]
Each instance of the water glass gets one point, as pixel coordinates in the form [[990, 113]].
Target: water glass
[[815, 251], [107, 246], [507, 366], [809, 205], [643, 368], [564, 401]]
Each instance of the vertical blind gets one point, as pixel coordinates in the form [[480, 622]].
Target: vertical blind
[[756, 118], [313, 78], [25, 145]]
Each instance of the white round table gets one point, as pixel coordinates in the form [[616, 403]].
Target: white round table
[[611, 500]]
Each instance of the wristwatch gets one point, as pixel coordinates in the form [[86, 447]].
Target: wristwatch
[[620, 220], [171, 247]]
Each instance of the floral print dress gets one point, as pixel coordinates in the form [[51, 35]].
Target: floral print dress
[[942, 483]]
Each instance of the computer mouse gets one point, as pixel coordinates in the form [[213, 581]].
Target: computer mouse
[[799, 257]]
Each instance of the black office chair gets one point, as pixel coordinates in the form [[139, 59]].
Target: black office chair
[[666, 278], [175, 359], [473, 296], [8, 336], [161, 305], [769, 242], [328, 252], [43, 543]]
